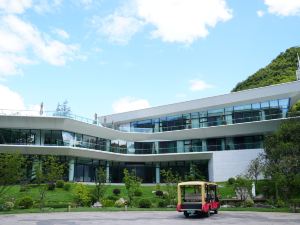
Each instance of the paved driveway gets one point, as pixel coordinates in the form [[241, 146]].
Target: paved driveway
[[148, 218]]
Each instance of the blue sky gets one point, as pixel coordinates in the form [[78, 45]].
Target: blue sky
[[109, 56]]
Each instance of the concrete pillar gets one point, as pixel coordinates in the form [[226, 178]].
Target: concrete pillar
[[263, 115], [157, 173], [156, 146], [211, 169], [107, 173], [71, 169], [222, 144], [204, 145]]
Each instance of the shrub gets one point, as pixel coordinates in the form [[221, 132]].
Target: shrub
[[58, 205], [279, 203], [7, 206], [51, 186], [24, 188], [138, 192], [82, 195], [120, 203], [248, 203], [144, 203], [231, 181], [60, 184], [159, 193], [107, 203], [67, 186], [112, 197], [26, 202], [116, 191], [157, 187], [162, 204]]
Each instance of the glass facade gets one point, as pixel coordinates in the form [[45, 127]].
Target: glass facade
[[272, 109], [65, 138]]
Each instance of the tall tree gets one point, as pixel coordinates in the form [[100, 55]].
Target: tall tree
[[47, 171], [100, 183], [282, 159], [10, 171], [132, 183]]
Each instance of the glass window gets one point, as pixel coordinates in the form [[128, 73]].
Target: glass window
[[274, 104], [264, 105], [69, 138], [256, 106], [284, 103]]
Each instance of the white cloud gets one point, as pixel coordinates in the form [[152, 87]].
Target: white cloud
[[118, 28], [260, 13], [19, 39], [44, 6], [181, 95], [15, 6], [12, 103], [173, 20], [61, 33], [10, 99], [129, 103], [283, 7], [199, 85]]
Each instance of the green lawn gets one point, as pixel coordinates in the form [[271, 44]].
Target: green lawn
[[61, 197]]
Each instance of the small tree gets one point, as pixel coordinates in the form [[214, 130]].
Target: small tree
[[100, 181], [242, 187], [10, 171], [171, 180], [255, 168], [194, 174], [47, 170], [132, 183], [63, 109]]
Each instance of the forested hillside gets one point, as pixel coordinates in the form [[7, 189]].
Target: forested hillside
[[282, 69]]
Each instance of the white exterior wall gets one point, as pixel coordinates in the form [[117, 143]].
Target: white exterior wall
[[226, 164]]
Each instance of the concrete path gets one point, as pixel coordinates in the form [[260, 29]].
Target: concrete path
[[148, 218]]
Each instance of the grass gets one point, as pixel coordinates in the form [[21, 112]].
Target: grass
[[60, 196]]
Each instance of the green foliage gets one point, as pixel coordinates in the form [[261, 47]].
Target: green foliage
[[162, 204], [231, 181], [282, 159], [112, 197], [47, 170], [57, 205], [100, 180], [51, 186], [194, 174], [159, 193], [82, 195], [280, 70], [242, 186], [116, 191], [138, 193], [157, 187], [25, 202], [280, 203], [171, 180], [144, 203], [132, 184], [7, 206], [248, 203], [67, 186], [10, 171], [107, 203], [60, 183]]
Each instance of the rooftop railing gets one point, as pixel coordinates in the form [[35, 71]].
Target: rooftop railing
[[222, 121], [124, 150]]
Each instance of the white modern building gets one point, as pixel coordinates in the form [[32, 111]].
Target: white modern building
[[220, 135]]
